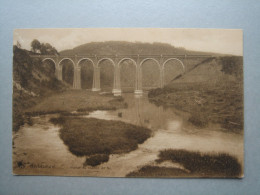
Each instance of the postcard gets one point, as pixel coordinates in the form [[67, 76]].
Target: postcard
[[128, 102]]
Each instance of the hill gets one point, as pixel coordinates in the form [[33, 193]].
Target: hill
[[123, 47]]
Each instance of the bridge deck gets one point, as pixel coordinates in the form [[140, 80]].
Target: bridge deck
[[122, 56]]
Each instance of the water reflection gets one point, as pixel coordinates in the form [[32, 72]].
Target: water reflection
[[141, 112]]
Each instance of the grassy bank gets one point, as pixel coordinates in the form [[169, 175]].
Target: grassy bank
[[218, 100], [82, 101], [97, 138], [76, 100], [220, 103], [196, 164]]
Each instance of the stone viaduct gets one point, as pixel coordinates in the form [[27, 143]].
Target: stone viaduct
[[116, 61]]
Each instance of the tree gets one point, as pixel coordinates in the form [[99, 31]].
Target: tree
[[36, 46], [54, 51], [43, 49], [47, 49]]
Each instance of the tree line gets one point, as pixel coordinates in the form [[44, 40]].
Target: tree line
[[43, 48]]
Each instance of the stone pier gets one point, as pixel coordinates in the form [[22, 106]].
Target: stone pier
[[77, 78], [96, 79]]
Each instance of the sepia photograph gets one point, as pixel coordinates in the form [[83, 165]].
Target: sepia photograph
[[128, 102]]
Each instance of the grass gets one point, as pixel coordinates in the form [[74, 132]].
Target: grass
[[113, 104], [219, 103], [89, 136], [198, 120], [24, 106], [198, 165], [72, 100]]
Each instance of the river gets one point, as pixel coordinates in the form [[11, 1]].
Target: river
[[41, 150]]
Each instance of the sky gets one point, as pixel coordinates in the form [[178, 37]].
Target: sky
[[224, 41]]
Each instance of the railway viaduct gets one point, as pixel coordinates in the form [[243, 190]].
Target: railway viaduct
[[116, 61]]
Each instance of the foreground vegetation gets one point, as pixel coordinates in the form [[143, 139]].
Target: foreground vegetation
[[219, 102], [195, 164], [97, 139]]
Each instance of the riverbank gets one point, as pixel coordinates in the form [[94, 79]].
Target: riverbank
[[217, 103], [191, 164], [65, 102], [76, 100]]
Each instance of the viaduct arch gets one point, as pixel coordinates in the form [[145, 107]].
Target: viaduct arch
[[163, 68], [136, 71], [141, 70], [115, 83], [80, 69]]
